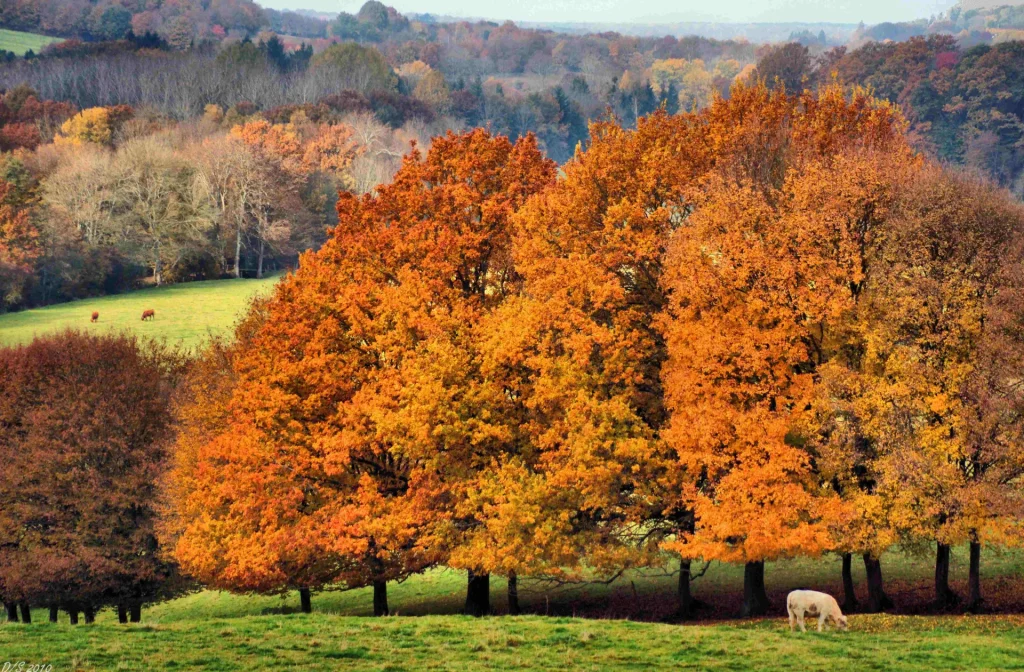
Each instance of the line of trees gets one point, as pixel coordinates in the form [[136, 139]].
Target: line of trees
[[760, 331]]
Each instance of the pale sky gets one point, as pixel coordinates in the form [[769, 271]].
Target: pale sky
[[652, 11]]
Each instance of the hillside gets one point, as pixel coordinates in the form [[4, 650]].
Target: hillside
[[186, 313], [20, 43]]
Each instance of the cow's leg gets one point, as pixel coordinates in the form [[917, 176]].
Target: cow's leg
[[821, 622], [800, 622], [792, 621]]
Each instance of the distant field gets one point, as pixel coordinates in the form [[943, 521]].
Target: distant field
[[187, 313], [218, 631], [19, 43]]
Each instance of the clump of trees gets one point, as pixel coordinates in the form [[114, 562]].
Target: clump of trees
[[86, 426], [763, 330], [124, 196]]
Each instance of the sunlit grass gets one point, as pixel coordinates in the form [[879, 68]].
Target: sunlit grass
[[217, 631], [187, 313], [327, 642], [19, 42]]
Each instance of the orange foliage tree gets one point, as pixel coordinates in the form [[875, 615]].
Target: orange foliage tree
[[355, 417], [581, 356], [759, 272], [20, 246]]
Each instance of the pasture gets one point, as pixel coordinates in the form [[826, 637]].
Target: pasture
[[187, 313], [569, 628], [19, 42]]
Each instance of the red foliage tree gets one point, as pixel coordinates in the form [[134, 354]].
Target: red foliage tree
[[85, 426]]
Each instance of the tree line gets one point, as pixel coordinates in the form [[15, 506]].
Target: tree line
[[116, 197], [768, 329]]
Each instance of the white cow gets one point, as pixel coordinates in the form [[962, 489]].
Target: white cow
[[811, 603]]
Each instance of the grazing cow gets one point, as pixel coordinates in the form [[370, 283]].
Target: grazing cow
[[811, 603], [95, 317], [148, 314]]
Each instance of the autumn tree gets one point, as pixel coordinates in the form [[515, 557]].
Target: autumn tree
[[159, 201], [942, 400], [293, 161], [96, 125], [755, 277], [580, 354], [351, 66], [235, 179], [360, 375], [788, 66], [19, 245], [86, 424], [79, 192]]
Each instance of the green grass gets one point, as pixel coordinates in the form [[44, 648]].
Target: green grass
[[188, 313], [19, 43], [326, 642], [217, 631]]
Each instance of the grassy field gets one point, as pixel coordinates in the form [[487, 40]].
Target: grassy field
[[187, 313], [325, 642], [218, 631], [19, 43]]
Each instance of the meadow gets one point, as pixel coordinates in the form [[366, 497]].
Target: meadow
[[188, 313], [19, 42], [582, 627]]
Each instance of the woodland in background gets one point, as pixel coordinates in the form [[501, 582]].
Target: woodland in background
[[766, 329], [71, 226]]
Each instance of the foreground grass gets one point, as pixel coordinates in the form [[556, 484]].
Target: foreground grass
[[188, 313], [19, 43], [327, 642], [212, 630]]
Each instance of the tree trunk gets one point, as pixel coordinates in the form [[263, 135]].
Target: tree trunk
[[90, 614], [305, 601], [238, 252], [974, 579], [849, 594], [878, 601], [157, 265], [12, 612], [259, 265], [755, 599], [513, 595], [122, 612], [26, 613], [73, 614], [944, 596], [685, 610], [380, 598], [135, 612], [478, 594], [53, 614]]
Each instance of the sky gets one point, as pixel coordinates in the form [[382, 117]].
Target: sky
[[651, 11]]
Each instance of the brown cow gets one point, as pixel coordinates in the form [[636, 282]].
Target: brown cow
[[95, 317], [148, 314]]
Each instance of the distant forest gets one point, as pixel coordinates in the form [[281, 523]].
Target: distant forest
[[249, 120]]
